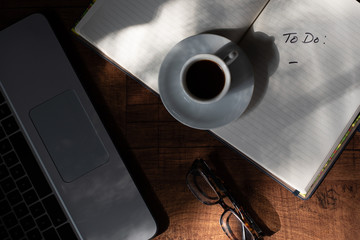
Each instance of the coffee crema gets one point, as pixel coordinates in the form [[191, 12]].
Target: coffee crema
[[205, 79]]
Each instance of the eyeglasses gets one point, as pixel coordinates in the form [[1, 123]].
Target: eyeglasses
[[209, 189]]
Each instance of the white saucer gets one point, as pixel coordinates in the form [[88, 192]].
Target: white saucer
[[198, 115]]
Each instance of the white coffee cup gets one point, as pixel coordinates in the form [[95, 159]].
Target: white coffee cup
[[206, 78]]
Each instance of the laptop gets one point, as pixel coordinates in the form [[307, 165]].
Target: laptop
[[61, 176]]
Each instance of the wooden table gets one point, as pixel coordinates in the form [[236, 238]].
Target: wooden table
[[159, 151]]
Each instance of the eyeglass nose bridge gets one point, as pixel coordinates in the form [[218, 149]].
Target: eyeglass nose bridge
[[223, 204]]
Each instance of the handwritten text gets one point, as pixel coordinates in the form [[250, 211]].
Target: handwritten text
[[305, 38], [302, 38]]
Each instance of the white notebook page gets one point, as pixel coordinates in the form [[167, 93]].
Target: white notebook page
[[137, 34], [311, 98], [303, 108]]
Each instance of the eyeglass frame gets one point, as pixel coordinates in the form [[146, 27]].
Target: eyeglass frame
[[222, 192]]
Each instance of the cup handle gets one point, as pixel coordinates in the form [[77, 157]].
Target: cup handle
[[228, 53]]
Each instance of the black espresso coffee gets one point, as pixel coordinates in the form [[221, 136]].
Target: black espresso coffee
[[205, 79]]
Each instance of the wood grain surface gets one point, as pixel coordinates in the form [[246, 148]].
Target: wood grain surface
[[159, 151]]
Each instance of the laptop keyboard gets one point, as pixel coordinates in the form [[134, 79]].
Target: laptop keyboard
[[28, 206]]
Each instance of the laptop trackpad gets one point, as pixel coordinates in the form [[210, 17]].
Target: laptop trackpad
[[69, 136]]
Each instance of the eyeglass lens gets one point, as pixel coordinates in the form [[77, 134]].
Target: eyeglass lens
[[234, 228], [201, 188]]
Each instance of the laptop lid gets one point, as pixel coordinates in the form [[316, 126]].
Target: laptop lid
[[67, 137]]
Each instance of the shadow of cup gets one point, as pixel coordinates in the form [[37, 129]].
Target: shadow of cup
[[264, 57]]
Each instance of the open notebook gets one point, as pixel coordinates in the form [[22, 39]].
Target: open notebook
[[305, 56]]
